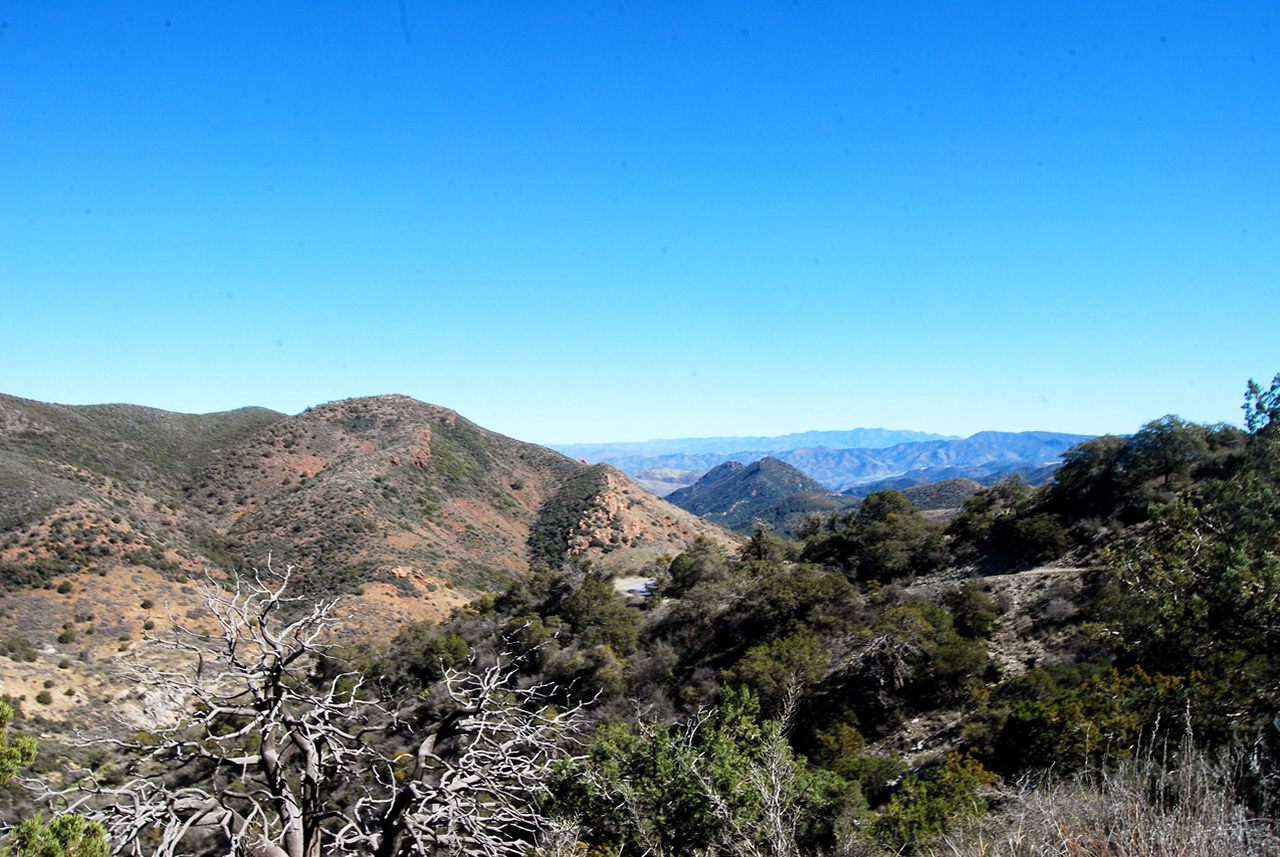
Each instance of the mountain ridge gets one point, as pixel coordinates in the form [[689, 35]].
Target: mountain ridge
[[980, 456], [858, 438], [359, 491]]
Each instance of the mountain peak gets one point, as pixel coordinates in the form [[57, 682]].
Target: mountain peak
[[380, 491], [767, 490]]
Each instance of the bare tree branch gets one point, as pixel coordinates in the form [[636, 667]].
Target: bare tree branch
[[275, 759]]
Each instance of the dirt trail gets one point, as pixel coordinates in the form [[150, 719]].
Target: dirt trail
[[1039, 626]]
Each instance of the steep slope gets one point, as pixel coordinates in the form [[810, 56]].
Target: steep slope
[[110, 515], [766, 491], [600, 514]]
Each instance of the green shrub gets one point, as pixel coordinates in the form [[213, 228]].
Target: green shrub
[[1039, 538], [973, 613], [19, 649], [598, 617], [702, 563], [16, 753], [884, 539], [844, 752], [67, 835], [927, 804], [770, 669], [1105, 716]]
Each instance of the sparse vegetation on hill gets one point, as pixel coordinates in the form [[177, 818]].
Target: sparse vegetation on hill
[[382, 490], [549, 541]]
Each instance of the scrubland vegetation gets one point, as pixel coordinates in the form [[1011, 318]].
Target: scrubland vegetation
[[753, 703]]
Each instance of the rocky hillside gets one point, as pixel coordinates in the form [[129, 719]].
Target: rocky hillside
[[384, 489], [109, 516]]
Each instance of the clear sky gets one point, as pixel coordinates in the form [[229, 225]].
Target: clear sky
[[617, 221]]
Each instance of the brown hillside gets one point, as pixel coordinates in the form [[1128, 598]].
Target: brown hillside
[[110, 515], [384, 491]]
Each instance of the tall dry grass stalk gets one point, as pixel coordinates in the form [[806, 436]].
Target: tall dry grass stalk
[[1152, 805]]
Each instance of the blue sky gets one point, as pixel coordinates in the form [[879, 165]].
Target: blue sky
[[588, 222]]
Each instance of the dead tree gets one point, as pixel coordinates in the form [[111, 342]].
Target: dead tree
[[283, 763], [477, 776]]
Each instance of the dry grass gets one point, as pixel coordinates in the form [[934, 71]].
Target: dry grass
[[1181, 806]]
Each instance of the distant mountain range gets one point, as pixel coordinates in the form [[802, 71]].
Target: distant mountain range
[[859, 438], [926, 458], [779, 496]]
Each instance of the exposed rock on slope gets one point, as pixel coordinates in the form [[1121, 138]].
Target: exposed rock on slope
[[383, 490], [600, 511]]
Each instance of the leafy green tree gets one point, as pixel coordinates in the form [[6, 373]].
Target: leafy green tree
[[1201, 593], [1091, 479], [800, 597], [595, 672], [884, 539], [701, 563], [598, 617], [1164, 450], [1007, 523], [420, 655], [914, 651], [14, 753], [973, 613], [1196, 591], [769, 547], [1262, 410], [1262, 407], [1036, 538], [894, 539], [723, 783], [67, 835], [777, 668]]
